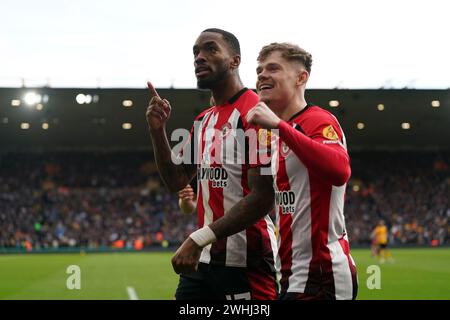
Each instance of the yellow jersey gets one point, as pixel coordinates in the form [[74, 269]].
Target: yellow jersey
[[381, 235]]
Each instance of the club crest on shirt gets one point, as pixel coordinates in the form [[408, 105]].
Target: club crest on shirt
[[226, 129], [284, 149], [264, 137], [329, 133]]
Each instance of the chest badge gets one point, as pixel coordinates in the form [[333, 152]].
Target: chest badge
[[226, 129]]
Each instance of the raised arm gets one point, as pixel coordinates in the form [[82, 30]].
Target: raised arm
[[330, 162], [326, 159], [175, 177]]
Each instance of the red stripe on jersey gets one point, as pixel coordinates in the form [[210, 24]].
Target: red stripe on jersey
[[285, 232], [262, 283], [346, 248], [252, 234], [266, 242], [200, 207], [321, 268], [218, 248]]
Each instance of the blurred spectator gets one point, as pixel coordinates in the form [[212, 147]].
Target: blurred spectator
[[410, 191], [108, 200], [83, 200]]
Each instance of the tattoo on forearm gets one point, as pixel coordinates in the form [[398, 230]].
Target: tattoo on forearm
[[250, 209], [175, 177]]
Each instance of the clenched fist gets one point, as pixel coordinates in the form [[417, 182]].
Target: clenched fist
[[262, 115], [186, 200], [158, 111]]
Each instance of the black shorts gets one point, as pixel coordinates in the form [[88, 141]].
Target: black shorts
[[382, 245], [322, 292], [211, 282]]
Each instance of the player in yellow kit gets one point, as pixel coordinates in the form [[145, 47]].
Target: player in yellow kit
[[380, 242]]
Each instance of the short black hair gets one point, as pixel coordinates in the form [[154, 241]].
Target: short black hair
[[229, 38]]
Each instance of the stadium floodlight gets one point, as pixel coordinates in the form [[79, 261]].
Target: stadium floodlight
[[356, 188], [39, 106], [81, 98], [360, 125], [5, 120], [45, 126], [406, 126], [435, 103], [88, 98], [380, 107], [24, 126], [15, 102], [126, 126], [334, 103], [31, 98], [127, 103]]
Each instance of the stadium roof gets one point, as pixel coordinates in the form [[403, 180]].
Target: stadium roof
[[48, 119]]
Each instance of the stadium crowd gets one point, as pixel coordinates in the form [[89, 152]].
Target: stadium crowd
[[116, 200]]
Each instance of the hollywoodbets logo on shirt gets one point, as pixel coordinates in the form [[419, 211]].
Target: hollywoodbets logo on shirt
[[218, 176], [286, 201]]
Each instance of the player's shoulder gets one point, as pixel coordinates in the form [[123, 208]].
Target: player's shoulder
[[315, 112], [203, 113], [313, 117], [245, 101]]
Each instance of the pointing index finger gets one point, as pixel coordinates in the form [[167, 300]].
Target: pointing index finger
[[152, 90]]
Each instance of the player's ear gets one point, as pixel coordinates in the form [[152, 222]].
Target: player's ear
[[236, 61], [302, 77]]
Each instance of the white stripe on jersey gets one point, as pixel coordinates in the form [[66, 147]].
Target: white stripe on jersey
[[341, 272], [274, 245], [232, 194], [274, 167], [301, 223], [343, 144], [208, 217], [336, 224], [336, 229]]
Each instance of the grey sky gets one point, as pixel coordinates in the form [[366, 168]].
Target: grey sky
[[355, 44]]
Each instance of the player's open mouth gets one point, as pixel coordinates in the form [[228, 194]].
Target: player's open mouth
[[265, 87]]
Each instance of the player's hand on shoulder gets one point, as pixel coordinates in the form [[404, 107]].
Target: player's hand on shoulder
[[261, 115]]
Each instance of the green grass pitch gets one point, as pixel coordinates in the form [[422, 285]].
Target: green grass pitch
[[415, 274]]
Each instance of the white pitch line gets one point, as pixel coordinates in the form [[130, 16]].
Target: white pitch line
[[132, 293]]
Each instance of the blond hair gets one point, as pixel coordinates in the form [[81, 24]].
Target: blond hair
[[289, 51]]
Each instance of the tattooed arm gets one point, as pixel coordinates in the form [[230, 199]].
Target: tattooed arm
[[175, 177], [250, 209], [243, 214]]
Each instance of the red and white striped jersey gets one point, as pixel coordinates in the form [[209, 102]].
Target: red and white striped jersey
[[221, 184], [310, 169]]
